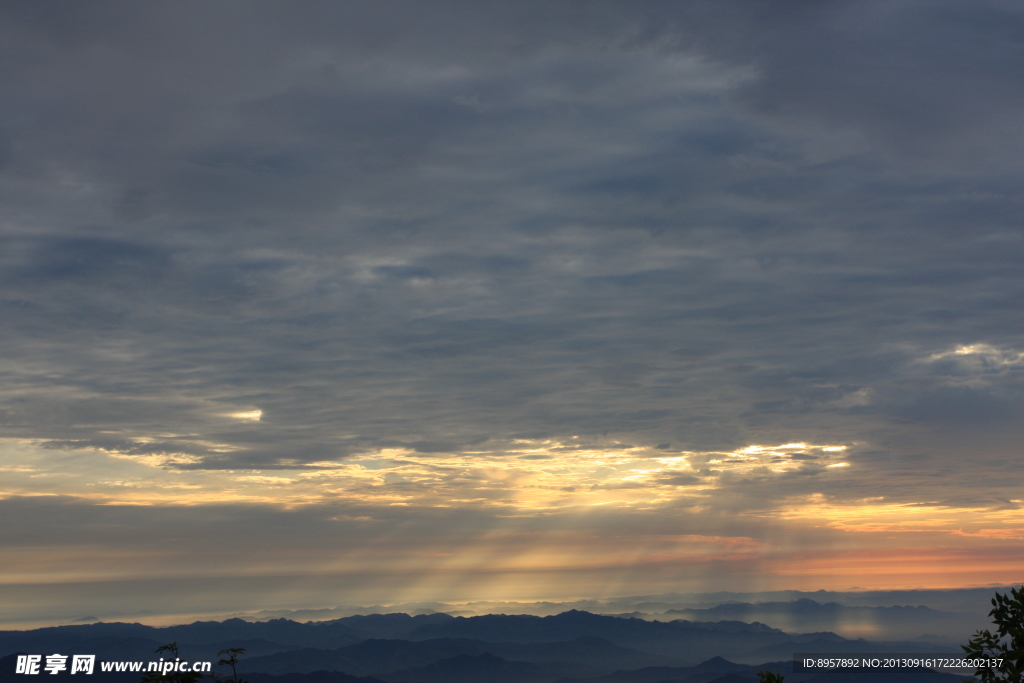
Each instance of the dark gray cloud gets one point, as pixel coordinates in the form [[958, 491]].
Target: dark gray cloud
[[515, 224]]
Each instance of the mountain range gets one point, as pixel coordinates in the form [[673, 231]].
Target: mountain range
[[571, 647]]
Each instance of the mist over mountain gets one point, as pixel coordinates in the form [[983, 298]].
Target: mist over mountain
[[807, 615]]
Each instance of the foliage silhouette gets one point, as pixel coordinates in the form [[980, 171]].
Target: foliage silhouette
[[1007, 643], [232, 661]]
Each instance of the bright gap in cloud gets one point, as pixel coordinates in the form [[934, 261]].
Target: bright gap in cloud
[[254, 415], [517, 477]]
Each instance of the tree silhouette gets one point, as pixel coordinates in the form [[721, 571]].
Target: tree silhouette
[[1007, 643], [231, 660]]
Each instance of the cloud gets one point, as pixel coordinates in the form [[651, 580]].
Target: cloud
[[512, 259]]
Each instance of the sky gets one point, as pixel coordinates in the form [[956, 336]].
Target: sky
[[314, 303]]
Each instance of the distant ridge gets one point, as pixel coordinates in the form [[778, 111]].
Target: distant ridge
[[378, 657], [574, 623]]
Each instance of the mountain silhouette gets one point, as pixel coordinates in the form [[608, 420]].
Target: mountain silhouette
[[473, 669], [312, 677], [574, 647], [375, 657], [393, 625], [679, 639], [699, 673]]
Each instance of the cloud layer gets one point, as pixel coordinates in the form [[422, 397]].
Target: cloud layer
[[720, 266]]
